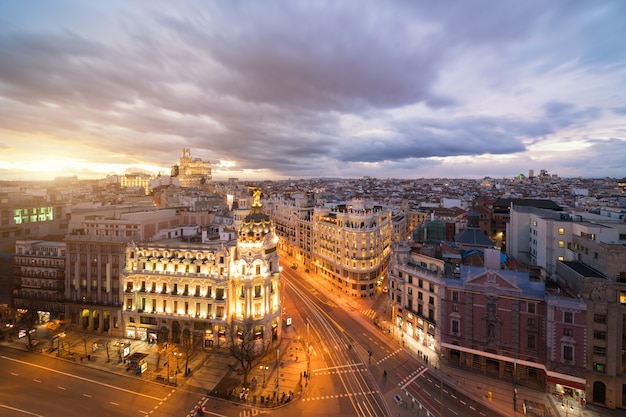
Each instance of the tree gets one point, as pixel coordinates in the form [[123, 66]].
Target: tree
[[187, 347], [245, 347]]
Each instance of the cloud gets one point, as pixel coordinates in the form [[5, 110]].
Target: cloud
[[303, 88]]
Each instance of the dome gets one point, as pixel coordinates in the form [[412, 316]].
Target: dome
[[257, 224]]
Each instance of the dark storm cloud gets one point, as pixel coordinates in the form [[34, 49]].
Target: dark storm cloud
[[295, 87], [427, 138]]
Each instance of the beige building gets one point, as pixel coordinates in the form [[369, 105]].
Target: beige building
[[205, 286], [192, 172], [352, 246]]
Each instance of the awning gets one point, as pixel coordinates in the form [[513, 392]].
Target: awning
[[566, 383]]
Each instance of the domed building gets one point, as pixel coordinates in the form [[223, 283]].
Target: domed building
[[256, 275], [210, 283]]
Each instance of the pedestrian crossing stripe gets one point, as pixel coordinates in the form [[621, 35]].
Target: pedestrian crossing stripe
[[339, 371], [395, 352], [369, 313], [346, 395]]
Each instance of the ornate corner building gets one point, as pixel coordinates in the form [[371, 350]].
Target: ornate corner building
[[212, 288]]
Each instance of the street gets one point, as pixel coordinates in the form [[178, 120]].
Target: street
[[40, 386], [360, 367]]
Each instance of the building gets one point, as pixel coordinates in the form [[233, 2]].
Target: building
[[605, 350], [494, 321], [136, 180], [205, 286], [352, 246], [413, 291], [39, 272], [96, 256], [192, 172]]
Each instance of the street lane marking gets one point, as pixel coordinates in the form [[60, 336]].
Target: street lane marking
[[20, 410], [414, 378], [87, 395], [63, 388], [37, 381], [14, 374], [112, 403], [82, 378]]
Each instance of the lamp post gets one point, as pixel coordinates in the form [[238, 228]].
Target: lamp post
[[514, 389], [308, 353], [264, 369], [277, 372], [176, 355]]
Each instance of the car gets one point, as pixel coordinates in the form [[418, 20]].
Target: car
[[34, 342]]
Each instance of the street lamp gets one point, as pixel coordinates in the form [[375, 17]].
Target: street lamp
[[277, 372], [264, 369], [308, 351], [514, 389]]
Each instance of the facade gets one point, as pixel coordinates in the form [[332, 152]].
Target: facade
[[192, 172], [96, 256], [566, 336], [413, 290], [293, 220], [494, 321], [605, 350], [39, 272], [352, 246], [174, 289], [136, 180]]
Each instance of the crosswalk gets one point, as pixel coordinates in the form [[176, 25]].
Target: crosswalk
[[336, 371], [384, 358], [335, 396], [369, 313]]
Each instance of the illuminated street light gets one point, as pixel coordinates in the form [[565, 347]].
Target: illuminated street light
[[264, 369]]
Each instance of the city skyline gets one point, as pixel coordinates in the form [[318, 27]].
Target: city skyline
[[276, 90]]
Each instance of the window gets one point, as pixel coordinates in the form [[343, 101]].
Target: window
[[129, 303], [568, 353], [455, 308], [531, 322], [599, 351], [531, 341], [531, 308], [568, 317], [455, 296], [568, 332], [431, 300], [420, 296], [420, 283], [455, 327], [622, 297], [599, 335], [599, 318], [599, 367], [561, 244], [561, 231]]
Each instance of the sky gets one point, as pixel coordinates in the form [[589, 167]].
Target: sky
[[305, 89]]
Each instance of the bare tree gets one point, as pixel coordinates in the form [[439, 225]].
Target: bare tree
[[187, 347], [245, 347], [28, 321]]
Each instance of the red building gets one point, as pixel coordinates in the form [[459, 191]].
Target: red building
[[493, 321]]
